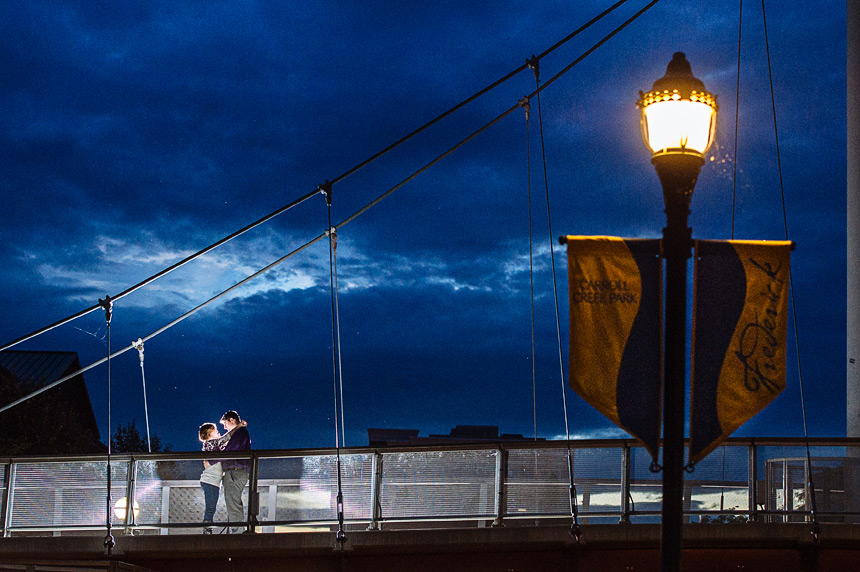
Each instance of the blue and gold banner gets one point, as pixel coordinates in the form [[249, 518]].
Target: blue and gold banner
[[616, 294], [740, 310]]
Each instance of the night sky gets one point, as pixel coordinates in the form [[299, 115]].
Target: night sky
[[134, 134]]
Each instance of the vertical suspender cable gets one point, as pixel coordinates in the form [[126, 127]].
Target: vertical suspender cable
[[524, 103], [737, 108], [336, 362], [138, 345], [816, 530], [109, 542], [575, 529]]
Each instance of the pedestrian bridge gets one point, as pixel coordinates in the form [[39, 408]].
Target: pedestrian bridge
[[748, 495]]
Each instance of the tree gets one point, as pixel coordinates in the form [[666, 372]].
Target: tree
[[128, 440]]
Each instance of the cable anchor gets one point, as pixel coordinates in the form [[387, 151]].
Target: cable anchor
[[107, 304], [575, 529], [340, 537], [109, 542], [816, 532], [655, 467], [325, 188]]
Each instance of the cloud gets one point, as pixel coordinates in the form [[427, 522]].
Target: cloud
[[595, 433]]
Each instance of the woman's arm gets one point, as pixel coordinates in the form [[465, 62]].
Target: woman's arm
[[221, 442]]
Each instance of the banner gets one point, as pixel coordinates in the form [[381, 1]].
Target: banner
[[616, 294], [740, 308]]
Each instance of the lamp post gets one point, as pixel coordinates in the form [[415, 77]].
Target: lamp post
[[678, 123]]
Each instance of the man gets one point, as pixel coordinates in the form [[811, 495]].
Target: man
[[235, 470]]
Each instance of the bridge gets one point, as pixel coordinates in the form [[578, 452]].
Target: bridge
[[470, 506]]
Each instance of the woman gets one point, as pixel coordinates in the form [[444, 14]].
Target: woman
[[210, 478]]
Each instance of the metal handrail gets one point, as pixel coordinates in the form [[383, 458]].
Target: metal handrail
[[488, 492]]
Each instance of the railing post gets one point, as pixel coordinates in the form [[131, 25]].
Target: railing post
[[129, 495], [752, 472], [165, 509], [501, 470], [253, 495], [10, 501], [625, 485], [4, 507], [375, 487]]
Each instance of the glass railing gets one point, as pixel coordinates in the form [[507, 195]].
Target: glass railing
[[520, 484]]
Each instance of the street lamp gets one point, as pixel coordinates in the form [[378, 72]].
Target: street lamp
[[678, 123]]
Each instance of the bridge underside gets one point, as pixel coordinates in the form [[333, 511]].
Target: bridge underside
[[604, 548]]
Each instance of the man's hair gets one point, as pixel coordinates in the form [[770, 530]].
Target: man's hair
[[231, 415], [205, 430]]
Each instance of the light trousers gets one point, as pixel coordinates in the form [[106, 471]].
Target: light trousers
[[233, 483]]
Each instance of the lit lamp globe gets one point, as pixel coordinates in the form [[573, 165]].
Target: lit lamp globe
[[121, 506], [679, 118]]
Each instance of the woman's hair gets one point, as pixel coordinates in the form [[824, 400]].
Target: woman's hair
[[205, 430]]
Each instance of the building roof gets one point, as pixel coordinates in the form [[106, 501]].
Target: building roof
[[38, 368], [57, 421], [459, 434]]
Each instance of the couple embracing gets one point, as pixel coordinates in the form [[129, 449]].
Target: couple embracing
[[232, 474]]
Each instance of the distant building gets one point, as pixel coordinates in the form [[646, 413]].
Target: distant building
[[58, 421], [459, 434]]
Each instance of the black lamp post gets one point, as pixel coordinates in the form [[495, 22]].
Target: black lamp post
[[678, 123]]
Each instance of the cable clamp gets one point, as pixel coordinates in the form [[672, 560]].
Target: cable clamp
[[816, 532], [576, 532], [107, 304], [526, 104], [325, 188], [655, 467], [534, 64], [138, 345]]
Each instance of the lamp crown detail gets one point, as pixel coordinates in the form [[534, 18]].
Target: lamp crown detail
[[679, 76]]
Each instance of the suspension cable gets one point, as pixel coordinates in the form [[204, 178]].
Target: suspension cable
[[575, 529], [346, 221], [816, 531], [167, 326], [337, 371], [336, 180], [526, 105], [109, 542], [589, 51], [737, 109], [164, 272], [138, 345], [481, 92]]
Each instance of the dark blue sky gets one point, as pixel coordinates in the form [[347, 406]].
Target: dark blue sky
[[134, 134]]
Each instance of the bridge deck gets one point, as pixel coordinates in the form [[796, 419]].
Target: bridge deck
[[604, 548]]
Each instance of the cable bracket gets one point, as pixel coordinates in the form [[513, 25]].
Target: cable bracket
[[107, 304], [138, 345], [526, 105], [325, 188], [534, 64]]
